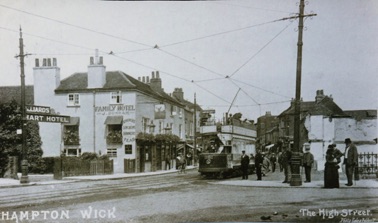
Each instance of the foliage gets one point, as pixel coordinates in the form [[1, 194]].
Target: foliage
[[11, 142], [89, 156], [71, 135], [145, 137], [168, 138]]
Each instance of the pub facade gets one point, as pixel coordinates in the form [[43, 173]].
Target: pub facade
[[132, 121]]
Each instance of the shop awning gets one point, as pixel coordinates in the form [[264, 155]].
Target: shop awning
[[114, 120], [73, 121]]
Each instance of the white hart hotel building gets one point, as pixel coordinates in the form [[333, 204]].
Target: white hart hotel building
[[107, 109]]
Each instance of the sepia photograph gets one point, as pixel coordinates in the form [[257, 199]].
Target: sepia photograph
[[188, 111]]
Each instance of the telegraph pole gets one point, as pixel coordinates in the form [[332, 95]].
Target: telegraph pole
[[24, 163], [296, 158], [195, 131]]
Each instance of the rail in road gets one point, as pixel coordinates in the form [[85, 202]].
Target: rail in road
[[30, 196]]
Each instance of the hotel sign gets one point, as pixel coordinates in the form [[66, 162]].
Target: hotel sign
[[37, 109], [43, 114], [48, 118]]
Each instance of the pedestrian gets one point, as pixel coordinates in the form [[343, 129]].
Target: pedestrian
[[244, 165], [181, 163], [273, 160], [266, 164], [168, 162], [286, 161], [258, 164], [308, 160], [331, 170], [279, 159], [350, 160]]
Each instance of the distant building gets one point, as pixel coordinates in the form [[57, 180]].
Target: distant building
[[267, 130], [323, 122]]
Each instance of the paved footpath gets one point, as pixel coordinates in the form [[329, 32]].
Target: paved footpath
[[275, 180], [270, 180]]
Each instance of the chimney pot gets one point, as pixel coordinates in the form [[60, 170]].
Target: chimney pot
[[157, 74], [101, 60], [55, 62], [49, 62], [148, 79], [36, 62], [44, 62], [91, 61], [144, 79], [139, 79], [153, 75]]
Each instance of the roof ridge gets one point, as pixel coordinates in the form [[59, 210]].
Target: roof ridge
[[123, 74]]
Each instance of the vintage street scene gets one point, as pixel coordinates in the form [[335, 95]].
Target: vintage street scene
[[189, 111]]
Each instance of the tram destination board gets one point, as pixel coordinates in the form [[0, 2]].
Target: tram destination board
[[48, 118]]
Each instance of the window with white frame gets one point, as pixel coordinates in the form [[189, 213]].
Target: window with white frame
[[116, 97], [111, 152], [145, 124], [72, 152], [73, 99]]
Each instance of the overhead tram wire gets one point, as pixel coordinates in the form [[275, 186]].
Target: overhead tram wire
[[220, 33], [53, 40], [254, 55], [75, 26], [260, 88]]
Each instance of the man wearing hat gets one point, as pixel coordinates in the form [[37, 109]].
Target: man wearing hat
[[350, 160], [244, 165], [308, 160]]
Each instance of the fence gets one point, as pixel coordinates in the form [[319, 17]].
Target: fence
[[367, 165], [77, 167]]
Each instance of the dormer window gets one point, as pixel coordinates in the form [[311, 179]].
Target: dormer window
[[116, 97], [73, 99]]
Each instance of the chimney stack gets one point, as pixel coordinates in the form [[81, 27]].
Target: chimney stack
[[155, 82], [319, 95], [96, 72], [178, 94]]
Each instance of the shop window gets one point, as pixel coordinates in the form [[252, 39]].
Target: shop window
[[73, 99], [116, 97], [71, 135], [111, 152], [72, 152], [114, 135], [128, 149]]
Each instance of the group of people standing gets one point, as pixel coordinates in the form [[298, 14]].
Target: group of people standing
[[332, 164]]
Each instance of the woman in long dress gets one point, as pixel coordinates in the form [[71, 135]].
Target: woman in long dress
[[331, 171]]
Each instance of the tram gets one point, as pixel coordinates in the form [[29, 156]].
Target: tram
[[223, 146]]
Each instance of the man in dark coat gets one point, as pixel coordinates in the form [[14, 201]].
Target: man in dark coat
[[258, 164], [244, 165], [286, 162], [350, 160], [308, 160]]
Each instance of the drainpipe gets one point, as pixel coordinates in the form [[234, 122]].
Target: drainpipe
[[94, 122]]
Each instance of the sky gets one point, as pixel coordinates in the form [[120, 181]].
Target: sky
[[236, 56]]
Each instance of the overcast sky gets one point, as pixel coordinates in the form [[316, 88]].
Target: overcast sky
[[200, 44]]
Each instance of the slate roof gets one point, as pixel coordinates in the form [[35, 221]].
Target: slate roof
[[324, 107], [115, 80], [362, 114], [9, 93]]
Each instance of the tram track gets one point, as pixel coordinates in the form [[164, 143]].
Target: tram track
[[42, 194]]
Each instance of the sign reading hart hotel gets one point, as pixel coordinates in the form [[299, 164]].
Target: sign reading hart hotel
[[43, 114]]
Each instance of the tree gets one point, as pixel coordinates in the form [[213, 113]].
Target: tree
[[11, 142]]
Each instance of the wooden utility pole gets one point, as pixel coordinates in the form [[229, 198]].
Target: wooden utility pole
[[24, 163], [296, 157], [195, 132]]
